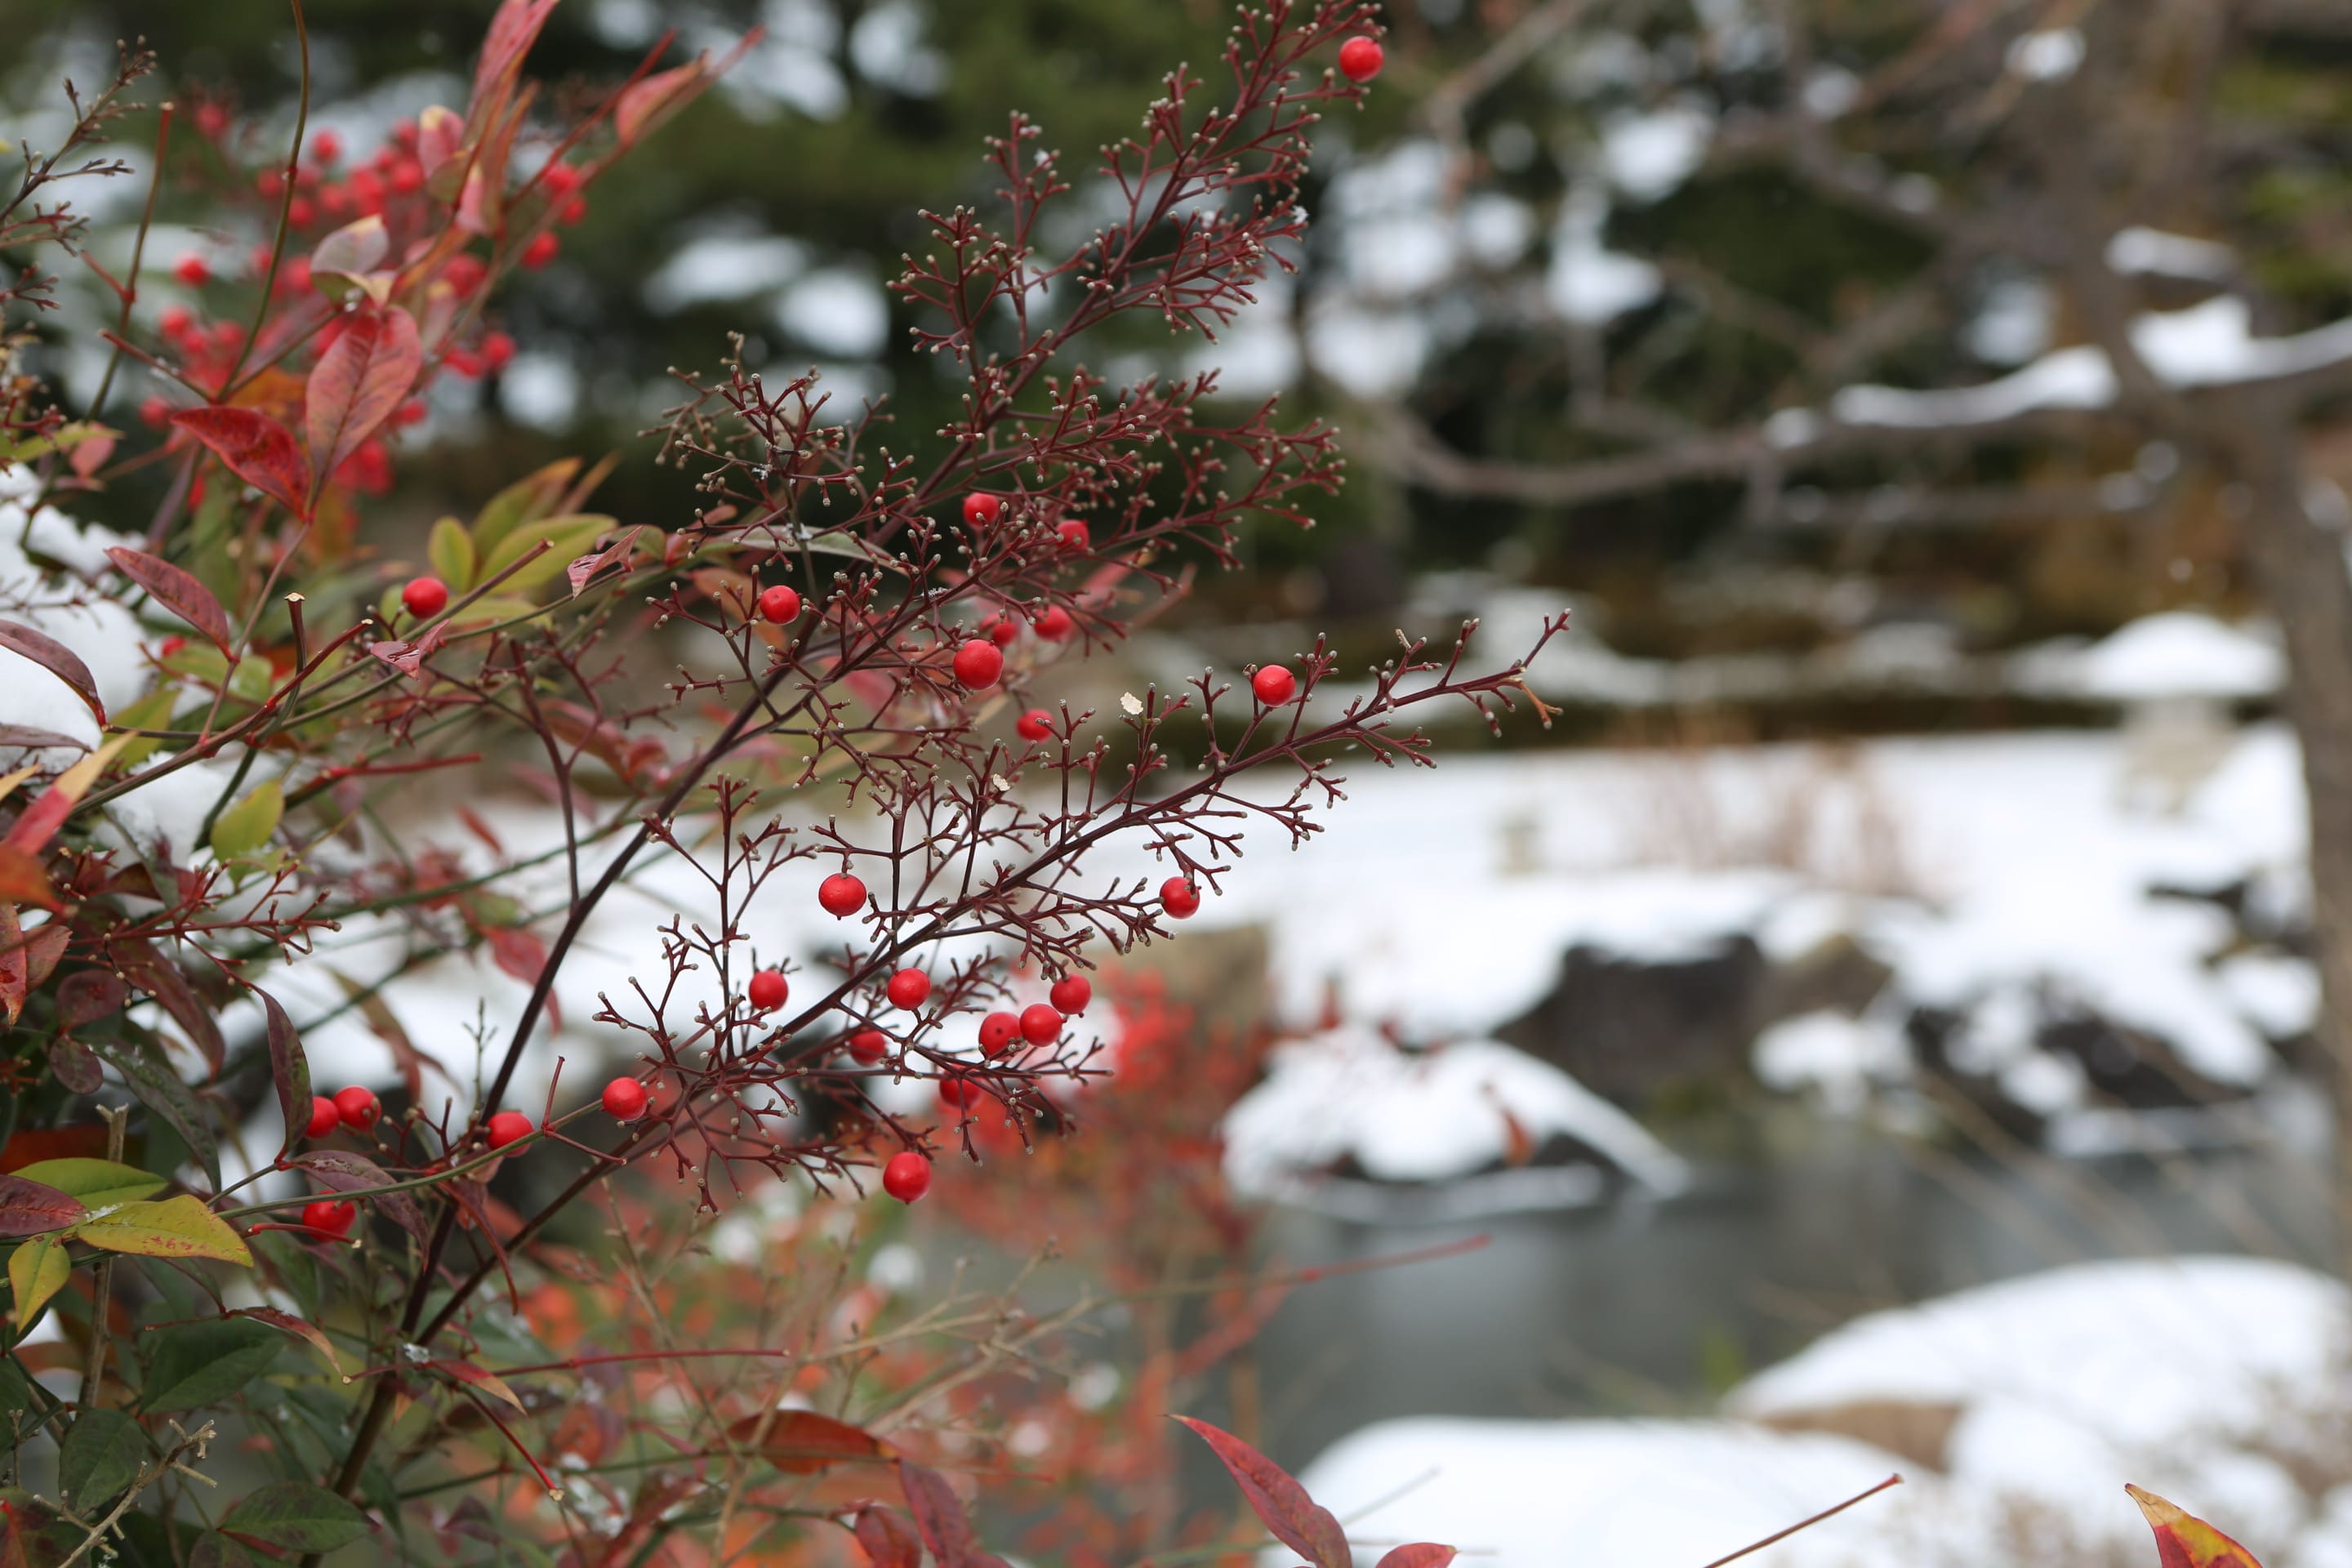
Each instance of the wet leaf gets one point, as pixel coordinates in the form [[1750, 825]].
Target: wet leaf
[[1278, 1500]]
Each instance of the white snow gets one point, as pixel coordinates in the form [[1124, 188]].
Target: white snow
[[838, 311], [2152, 252], [1837, 1057], [1648, 155], [1588, 283], [2277, 993], [723, 267], [1419, 1116], [2050, 55], [2183, 654]]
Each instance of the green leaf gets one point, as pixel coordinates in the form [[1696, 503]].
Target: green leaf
[[37, 1272], [526, 501], [160, 1090], [203, 1363], [568, 538], [246, 825], [97, 1183], [152, 711], [451, 550], [101, 1456], [213, 1549], [16, 1391], [175, 1228], [295, 1516], [253, 679]]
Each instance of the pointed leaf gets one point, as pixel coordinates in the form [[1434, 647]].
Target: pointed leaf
[[513, 31], [439, 133], [888, 1540], [176, 591], [300, 1329], [353, 249], [527, 499], [1280, 1503], [582, 572], [22, 880], [647, 99], [290, 1070], [157, 975], [162, 1091], [355, 1173], [99, 1184], [37, 1270], [34, 740], [489, 1382], [359, 380], [566, 538], [195, 1364], [802, 1442], [295, 1516], [101, 1456], [2184, 1540], [246, 827], [451, 550], [256, 448], [939, 1514], [57, 658], [35, 1208], [1419, 1554], [174, 1228]]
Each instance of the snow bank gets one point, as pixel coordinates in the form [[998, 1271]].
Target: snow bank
[[2182, 654]]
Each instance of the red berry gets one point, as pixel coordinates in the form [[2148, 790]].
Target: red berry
[[1003, 630], [1054, 624], [625, 1099], [270, 182], [424, 597], [1180, 898], [1071, 996], [176, 320], [560, 178], [906, 1177], [294, 275], [212, 121], [869, 1047], [498, 350], [462, 362], [978, 664], [334, 200], [540, 251], [841, 895], [193, 272], [464, 273], [1362, 59], [227, 334], [300, 212], [767, 990], [980, 509], [367, 190], [325, 1116], [1274, 684], [408, 177], [1034, 725], [1040, 1024], [909, 988], [357, 1106], [166, 649], [326, 147], [509, 1127], [573, 210], [1074, 534], [329, 1217], [412, 412], [997, 1033], [780, 603], [958, 1093], [155, 412]]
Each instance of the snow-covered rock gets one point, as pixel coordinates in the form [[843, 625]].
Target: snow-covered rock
[[2182, 654]]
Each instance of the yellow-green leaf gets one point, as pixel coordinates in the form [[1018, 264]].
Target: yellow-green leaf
[[152, 711], [37, 1272], [496, 611], [246, 825], [97, 1183], [253, 679], [527, 499], [174, 1227], [568, 538], [451, 550]]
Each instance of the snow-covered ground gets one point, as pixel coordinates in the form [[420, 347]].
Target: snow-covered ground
[[2016, 1411]]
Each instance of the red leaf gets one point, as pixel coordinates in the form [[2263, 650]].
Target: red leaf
[[290, 1070], [29, 1208], [352, 251], [57, 658], [523, 955], [299, 1328], [139, 962], [2184, 1540], [647, 98], [581, 572], [358, 382], [1419, 1554], [939, 1514], [256, 448], [22, 880], [175, 590], [1279, 1501], [889, 1540], [35, 740], [802, 1442], [479, 1377], [356, 1173], [513, 32]]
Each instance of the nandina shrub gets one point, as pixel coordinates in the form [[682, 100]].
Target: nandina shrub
[[283, 1332]]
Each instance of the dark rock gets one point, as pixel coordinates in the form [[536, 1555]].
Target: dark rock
[[1636, 1030]]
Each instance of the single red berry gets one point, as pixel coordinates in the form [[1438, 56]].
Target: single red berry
[[867, 1046], [841, 895], [295, 275], [767, 990], [464, 273], [367, 190], [1274, 684], [326, 147], [325, 1116], [1040, 1024], [780, 603], [169, 647], [1003, 630], [906, 1177], [958, 1093], [329, 1217], [573, 210], [302, 211], [155, 412], [176, 320], [980, 509], [910, 989], [270, 182], [997, 1033], [978, 664], [193, 272], [424, 597], [509, 1127], [540, 251], [227, 334], [357, 1106], [1034, 725], [212, 121], [1054, 624], [1180, 898], [1072, 994], [408, 177], [464, 363], [1075, 535], [625, 1099], [498, 350], [412, 412], [1362, 59], [560, 178]]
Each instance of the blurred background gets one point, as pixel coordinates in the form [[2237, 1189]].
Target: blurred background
[[1934, 413]]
